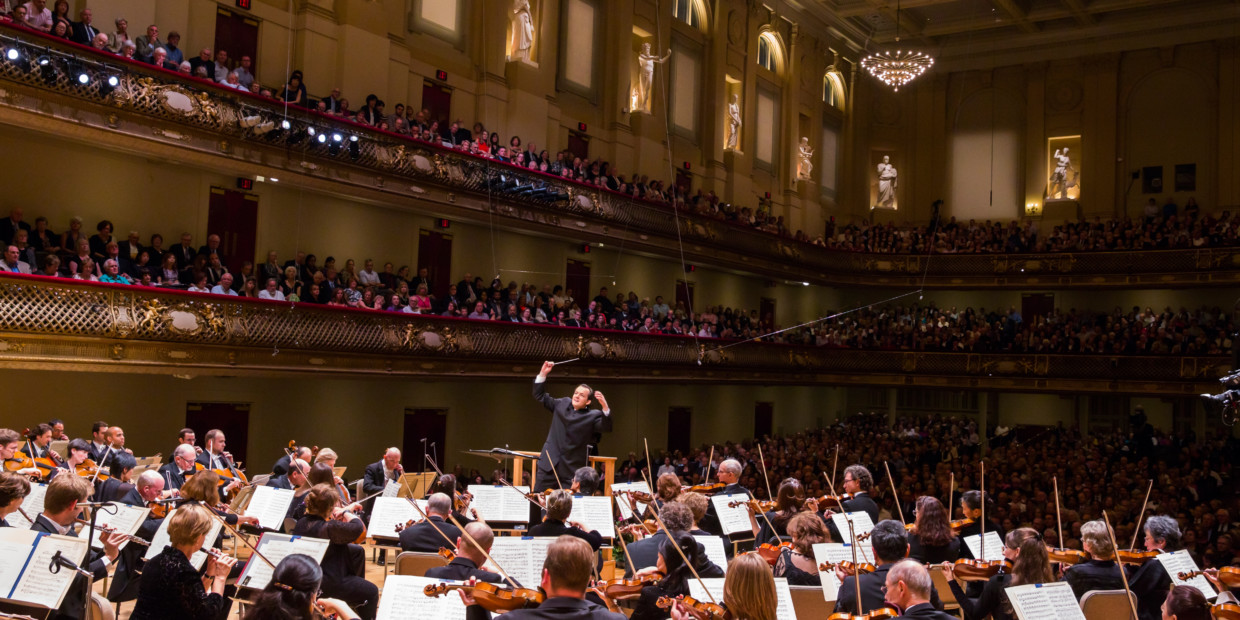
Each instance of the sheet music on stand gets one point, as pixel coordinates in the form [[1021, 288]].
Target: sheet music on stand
[[994, 546], [622, 500], [714, 550], [390, 511], [242, 500], [594, 513], [126, 520], [1181, 562], [31, 505], [161, 540], [501, 503], [1045, 601], [783, 596], [836, 553], [860, 520], [276, 547], [733, 520], [26, 574], [403, 598], [417, 484], [270, 505], [522, 557], [141, 469], [391, 489]]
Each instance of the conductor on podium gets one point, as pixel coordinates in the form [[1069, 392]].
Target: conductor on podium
[[573, 424]]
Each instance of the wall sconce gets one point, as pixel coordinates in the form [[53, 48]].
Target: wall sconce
[[1033, 209]]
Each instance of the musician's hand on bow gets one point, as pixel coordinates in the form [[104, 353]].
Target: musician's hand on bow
[[197, 450], [949, 570], [811, 504]]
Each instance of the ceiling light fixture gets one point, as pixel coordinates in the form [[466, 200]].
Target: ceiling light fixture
[[900, 67]]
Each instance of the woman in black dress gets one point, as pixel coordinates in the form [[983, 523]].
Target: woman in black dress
[[343, 575], [798, 564], [676, 572], [788, 501], [293, 591], [932, 540], [171, 587], [1026, 550]]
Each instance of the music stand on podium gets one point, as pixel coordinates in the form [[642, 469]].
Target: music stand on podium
[[417, 484], [519, 458]]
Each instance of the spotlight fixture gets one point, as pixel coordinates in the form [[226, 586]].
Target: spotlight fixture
[[337, 137], [355, 148], [12, 54], [83, 78], [322, 138], [311, 130], [900, 67], [109, 84], [46, 68], [285, 125], [333, 149]]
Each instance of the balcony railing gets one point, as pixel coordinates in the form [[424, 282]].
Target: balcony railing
[[152, 96], [60, 323]]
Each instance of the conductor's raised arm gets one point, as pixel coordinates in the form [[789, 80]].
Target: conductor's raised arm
[[540, 383]]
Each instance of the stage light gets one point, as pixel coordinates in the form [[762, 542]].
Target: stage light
[[83, 78], [114, 81], [322, 138], [337, 137], [285, 125], [46, 68], [13, 54], [355, 148], [311, 131]]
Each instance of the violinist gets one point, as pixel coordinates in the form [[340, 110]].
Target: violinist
[[971, 508], [126, 581], [343, 577], [378, 474], [58, 429], [932, 540], [890, 545], [748, 590], [1150, 581], [1026, 550], [797, 564], [565, 577], [859, 483], [148, 489], [98, 440], [202, 488], [460, 501], [585, 481], [214, 457], [13, 490], [186, 437], [79, 451], [645, 552], [1100, 572], [666, 488], [729, 474], [117, 484], [296, 481], [293, 594], [677, 574], [302, 453], [10, 444], [178, 472], [556, 523], [328, 457], [908, 588], [60, 511], [171, 587], [788, 501], [697, 504], [37, 444], [1184, 603], [469, 560], [421, 536]]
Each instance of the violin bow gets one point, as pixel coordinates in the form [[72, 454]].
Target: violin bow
[[834, 464], [895, 494], [709, 463], [555, 473], [1141, 517], [1058, 518], [683, 557], [982, 537], [1122, 573], [951, 495], [762, 461], [237, 534], [477, 546], [649, 465]]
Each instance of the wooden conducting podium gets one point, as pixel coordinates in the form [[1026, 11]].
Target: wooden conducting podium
[[519, 459]]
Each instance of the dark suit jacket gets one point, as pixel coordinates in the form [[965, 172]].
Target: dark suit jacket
[[96, 453], [927, 611], [81, 34], [1093, 575], [111, 490], [645, 552], [280, 482], [571, 431], [423, 537], [872, 596], [461, 569], [184, 253], [75, 598], [1150, 583], [551, 527], [373, 482], [281, 466], [558, 608]]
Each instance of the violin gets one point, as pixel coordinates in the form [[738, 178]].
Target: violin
[[1229, 575], [22, 461], [109, 531], [850, 569], [882, 613], [87, 469], [979, 570], [1134, 557], [460, 500], [960, 524], [704, 489], [755, 505], [640, 496], [447, 554], [621, 589], [637, 530], [158, 511], [838, 499], [770, 552], [701, 610], [230, 475], [400, 527], [1225, 611], [491, 597], [1067, 556]]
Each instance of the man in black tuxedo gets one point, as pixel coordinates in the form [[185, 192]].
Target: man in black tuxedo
[[645, 552], [125, 580], [184, 251], [84, 31], [908, 589], [559, 507], [300, 452], [294, 479], [890, 546], [181, 466], [378, 474], [428, 535], [117, 485], [98, 441], [469, 558], [565, 575], [729, 474], [214, 457], [858, 482], [573, 424], [60, 509]]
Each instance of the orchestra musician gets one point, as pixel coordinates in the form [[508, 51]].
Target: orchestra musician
[[573, 424], [671, 563], [186, 436], [566, 574], [171, 587], [889, 542], [797, 564], [78, 451], [376, 479], [294, 479], [177, 472], [58, 429], [556, 523], [37, 444], [468, 562], [293, 594], [585, 481], [1100, 571], [118, 483], [789, 500], [126, 580], [748, 591], [644, 553], [98, 440], [328, 457], [116, 438], [60, 512], [343, 576], [148, 489], [932, 540], [971, 508], [320, 473], [10, 444], [859, 483], [214, 457], [302, 453], [697, 503], [730, 475], [908, 588], [13, 490], [1026, 550], [1150, 581], [422, 536]]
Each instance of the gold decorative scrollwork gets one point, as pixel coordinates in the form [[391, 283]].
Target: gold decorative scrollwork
[[599, 349], [1038, 365], [184, 319], [440, 340]]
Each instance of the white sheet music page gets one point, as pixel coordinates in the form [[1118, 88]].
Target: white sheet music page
[[276, 547], [994, 546], [783, 596], [391, 489], [160, 540], [733, 520], [861, 523], [270, 505], [522, 557], [403, 598], [622, 500], [501, 503], [15, 546], [594, 513], [127, 520], [38, 584], [835, 553], [714, 550], [389, 512], [1045, 601], [1181, 562], [32, 505]]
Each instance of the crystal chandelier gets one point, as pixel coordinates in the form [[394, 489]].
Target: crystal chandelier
[[900, 67]]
